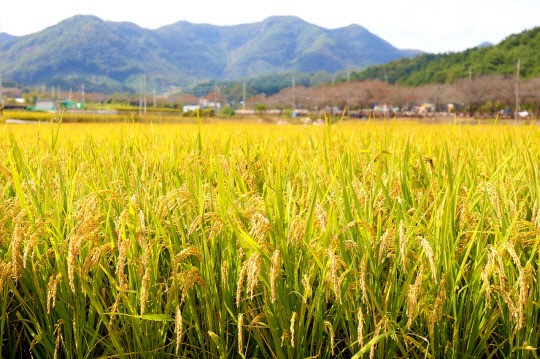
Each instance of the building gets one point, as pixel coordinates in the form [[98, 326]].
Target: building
[[45, 105], [187, 108], [70, 105]]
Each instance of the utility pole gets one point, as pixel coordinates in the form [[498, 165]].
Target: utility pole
[[436, 100], [154, 91], [140, 97], [52, 93], [349, 95], [294, 92], [145, 94], [82, 93], [332, 94], [58, 92], [517, 93], [470, 91], [244, 94]]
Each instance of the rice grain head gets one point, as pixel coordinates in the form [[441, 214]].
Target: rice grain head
[[293, 318], [224, 275], [178, 328], [274, 273], [144, 290], [375, 335], [240, 284], [330, 329], [360, 329], [403, 242], [414, 293], [307, 286], [431, 258], [254, 269], [51, 291], [58, 331], [363, 279], [240, 339], [333, 273]]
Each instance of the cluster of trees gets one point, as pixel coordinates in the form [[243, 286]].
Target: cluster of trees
[[484, 94], [270, 84], [446, 68]]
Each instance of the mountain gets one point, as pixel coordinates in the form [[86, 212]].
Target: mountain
[[113, 56], [445, 68], [484, 44]]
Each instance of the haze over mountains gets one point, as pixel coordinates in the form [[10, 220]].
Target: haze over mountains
[[112, 56]]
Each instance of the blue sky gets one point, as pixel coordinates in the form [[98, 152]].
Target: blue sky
[[429, 25]]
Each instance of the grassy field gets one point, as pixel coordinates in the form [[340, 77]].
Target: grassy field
[[354, 240]]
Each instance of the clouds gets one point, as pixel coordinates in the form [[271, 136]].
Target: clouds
[[429, 25]]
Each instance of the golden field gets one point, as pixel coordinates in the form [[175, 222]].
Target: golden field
[[388, 240]]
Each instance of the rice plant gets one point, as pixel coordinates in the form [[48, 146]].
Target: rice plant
[[353, 240]]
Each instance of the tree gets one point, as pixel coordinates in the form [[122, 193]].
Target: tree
[[260, 108]]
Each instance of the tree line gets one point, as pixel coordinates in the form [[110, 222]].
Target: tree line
[[482, 95]]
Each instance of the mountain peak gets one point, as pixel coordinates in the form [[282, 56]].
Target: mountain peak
[[81, 19], [355, 27], [284, 18], [484, 44], [117, 54]]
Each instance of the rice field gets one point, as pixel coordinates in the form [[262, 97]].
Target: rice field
[[389, 240], [48, 117]]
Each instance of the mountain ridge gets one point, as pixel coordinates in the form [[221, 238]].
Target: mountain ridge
[[113, 56], [498, 59]]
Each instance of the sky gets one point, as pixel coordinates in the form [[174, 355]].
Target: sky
[[427, 25]]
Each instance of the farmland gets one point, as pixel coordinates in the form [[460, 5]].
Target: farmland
[[371, 240]]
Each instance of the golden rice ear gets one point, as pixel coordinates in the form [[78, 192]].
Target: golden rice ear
[[293, 319], [363, 265], [52, 287], [240, 333], [253, 271], [144, 290], [178, 323], [414, 294], [274, 273], [334, 267], [428, 251], [403, 242], [360, 329], [328, 327]]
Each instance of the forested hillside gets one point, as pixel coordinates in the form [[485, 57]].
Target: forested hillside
[[445, 68]]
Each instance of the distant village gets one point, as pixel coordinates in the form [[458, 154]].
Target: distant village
[[482, 97]]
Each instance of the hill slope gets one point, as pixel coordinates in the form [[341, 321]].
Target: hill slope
[[113, 56], [497, 59]]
